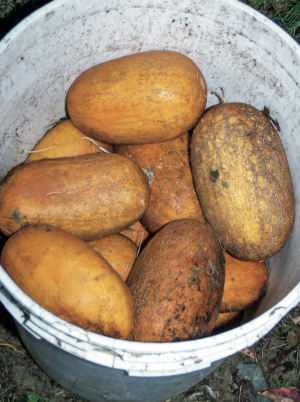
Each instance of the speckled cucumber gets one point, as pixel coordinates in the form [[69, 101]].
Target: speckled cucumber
[[243, 180], [177, 284]]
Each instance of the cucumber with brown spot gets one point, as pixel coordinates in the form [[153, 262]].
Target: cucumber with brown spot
[[172, 192], [243, 181], [91, 196], [177, 284]]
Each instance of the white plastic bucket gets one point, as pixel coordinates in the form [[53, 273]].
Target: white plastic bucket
[[235, 48]]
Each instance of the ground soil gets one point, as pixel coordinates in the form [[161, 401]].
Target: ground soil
[[20, 376], [21, 380]]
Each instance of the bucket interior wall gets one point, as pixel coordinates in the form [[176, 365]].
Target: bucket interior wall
[[42, 57]]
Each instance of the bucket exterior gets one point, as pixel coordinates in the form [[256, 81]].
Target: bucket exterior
[[236, 48], [93, 381]]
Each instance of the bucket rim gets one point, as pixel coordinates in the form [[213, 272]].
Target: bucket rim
[[262, 324], [48, 8], [249, 332]]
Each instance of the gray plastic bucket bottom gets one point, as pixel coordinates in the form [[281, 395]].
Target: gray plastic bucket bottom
[[93, 381]]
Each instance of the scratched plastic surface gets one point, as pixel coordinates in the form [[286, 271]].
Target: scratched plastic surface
[[237, 49]]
